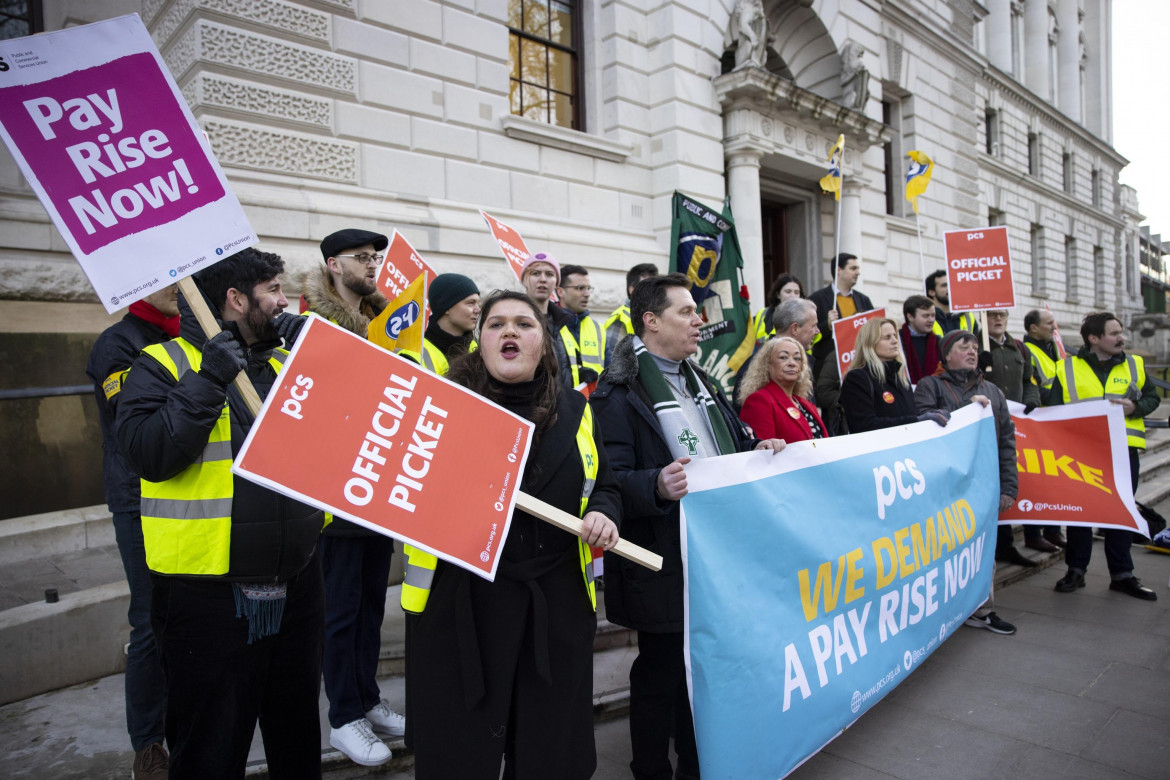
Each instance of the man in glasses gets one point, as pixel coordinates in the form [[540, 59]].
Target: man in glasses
[[356, 561], [584, 341]]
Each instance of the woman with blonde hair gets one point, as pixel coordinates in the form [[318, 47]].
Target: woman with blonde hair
[[876, 392], [774, 394]]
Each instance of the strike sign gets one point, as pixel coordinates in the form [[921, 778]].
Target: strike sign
[[101, 132], [378, 440], [979, 269], [845, 335]]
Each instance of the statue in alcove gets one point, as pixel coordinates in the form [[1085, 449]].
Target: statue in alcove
[[748, 34], [854, 76]]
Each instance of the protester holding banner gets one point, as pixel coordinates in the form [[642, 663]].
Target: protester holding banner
[[356, 561], [237, 602], [540, 275], [785, 288], [920, 343], [1101, 369], [875, 392], [836, 300], [774, 395], [795, 318], [505, 668], [959, 384], [657, 410], [152, 320], [619, 325]]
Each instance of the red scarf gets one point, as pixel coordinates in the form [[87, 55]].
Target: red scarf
[[144, 311], [932, 358]]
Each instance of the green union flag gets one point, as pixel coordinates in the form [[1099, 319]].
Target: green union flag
[[706, 251]]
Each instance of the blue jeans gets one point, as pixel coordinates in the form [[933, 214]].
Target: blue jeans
[[146, 687], [357, 569]]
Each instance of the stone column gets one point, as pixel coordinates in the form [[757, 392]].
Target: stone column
[[851, 218], [1036, 47], [743, 187], [999, 34], [1069, 57]]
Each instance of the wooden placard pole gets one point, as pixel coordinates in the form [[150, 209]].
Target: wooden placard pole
[[983, 335], [210, 326], [567, 522]]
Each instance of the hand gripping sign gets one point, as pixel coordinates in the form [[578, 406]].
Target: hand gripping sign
[[1073, 463], [979, 269], [397, 450], [845, 335], [101, 132]]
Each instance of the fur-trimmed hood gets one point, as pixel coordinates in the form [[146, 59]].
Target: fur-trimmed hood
[[323, 299], [622, 368]]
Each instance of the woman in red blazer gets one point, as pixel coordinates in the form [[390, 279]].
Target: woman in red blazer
[[774, 394]]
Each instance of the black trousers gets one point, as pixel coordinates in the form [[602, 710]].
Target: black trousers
[[218, 685], [658, 701], [1117, 542]]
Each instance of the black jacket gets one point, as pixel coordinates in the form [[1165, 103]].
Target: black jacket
[[635, 596], [112, 355], [162, 426], [870, 405], [826, 301], [555, 319]]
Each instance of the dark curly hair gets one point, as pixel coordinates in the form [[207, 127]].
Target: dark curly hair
[[470, 370], [241, 271]]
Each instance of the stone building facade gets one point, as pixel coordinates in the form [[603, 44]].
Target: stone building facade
[[402, 114]]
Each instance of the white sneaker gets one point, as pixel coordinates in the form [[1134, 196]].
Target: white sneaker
[[357, 741], [385, 720]]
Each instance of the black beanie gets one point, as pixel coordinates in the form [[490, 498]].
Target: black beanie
[[447, 290]]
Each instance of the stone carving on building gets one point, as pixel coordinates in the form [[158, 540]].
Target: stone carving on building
[[236, 48], [269, 150], [854, 76], [210, 91], [278, 15], [748, 34]]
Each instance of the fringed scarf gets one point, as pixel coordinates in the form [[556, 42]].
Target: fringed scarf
[[680, 437]]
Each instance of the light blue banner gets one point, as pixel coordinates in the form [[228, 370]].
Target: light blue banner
[[820, 577]]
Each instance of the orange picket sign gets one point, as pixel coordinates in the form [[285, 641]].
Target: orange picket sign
[[510, 241], [401, 267], [1073, 464], [979, 269], [845, 335], [378, 440]]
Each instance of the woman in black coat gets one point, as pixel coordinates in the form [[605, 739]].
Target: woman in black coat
[[875, 392], [504, 669]]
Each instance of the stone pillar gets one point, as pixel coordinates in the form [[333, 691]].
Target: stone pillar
[[999, 34], [1036, 47], [743, 187], [851, 218], [1069, 57]]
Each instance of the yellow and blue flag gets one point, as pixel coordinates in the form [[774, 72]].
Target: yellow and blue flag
[[831, 182], [918, 176], [404, 320]]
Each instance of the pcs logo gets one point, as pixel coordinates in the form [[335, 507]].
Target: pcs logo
[[219, 251], [3, 65], [402, 319]]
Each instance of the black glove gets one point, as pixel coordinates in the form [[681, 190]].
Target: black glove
[[223, 359], [985, 361], [1028, 408], [940, 416], [288, 327], [587, 375]]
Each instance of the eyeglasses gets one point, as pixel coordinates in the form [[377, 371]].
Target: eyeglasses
[[581, 288], [365, 259]]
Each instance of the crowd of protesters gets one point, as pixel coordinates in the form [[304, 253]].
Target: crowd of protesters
[[243, 600]]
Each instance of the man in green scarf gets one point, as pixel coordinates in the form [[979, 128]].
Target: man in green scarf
[[657, 411]]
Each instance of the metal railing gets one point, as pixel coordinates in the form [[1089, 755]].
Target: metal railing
[[24, 393]]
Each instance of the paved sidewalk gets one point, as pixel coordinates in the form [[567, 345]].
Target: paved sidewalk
[[1082, 691]]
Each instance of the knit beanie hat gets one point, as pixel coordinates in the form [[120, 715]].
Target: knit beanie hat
[[541, 257], [951, 339], [446, 290]]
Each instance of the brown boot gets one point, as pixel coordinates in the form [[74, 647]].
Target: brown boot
[[1056, 538], [151, 763]]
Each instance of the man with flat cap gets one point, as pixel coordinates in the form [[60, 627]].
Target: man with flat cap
[[356, 561]]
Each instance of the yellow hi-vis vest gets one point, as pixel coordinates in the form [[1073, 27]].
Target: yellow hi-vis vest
[[967, 322], [187, 519], [1080, 383], [420, 566], [764, 329], [589, 352], [622, 315], [1044, 365], [431, 358]]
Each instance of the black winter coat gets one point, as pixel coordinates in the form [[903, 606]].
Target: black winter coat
[[635, 596], [112, 355], [865, 401], [162, 427], [826, 301]]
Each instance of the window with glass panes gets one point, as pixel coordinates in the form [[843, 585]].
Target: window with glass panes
[[542, 51]]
